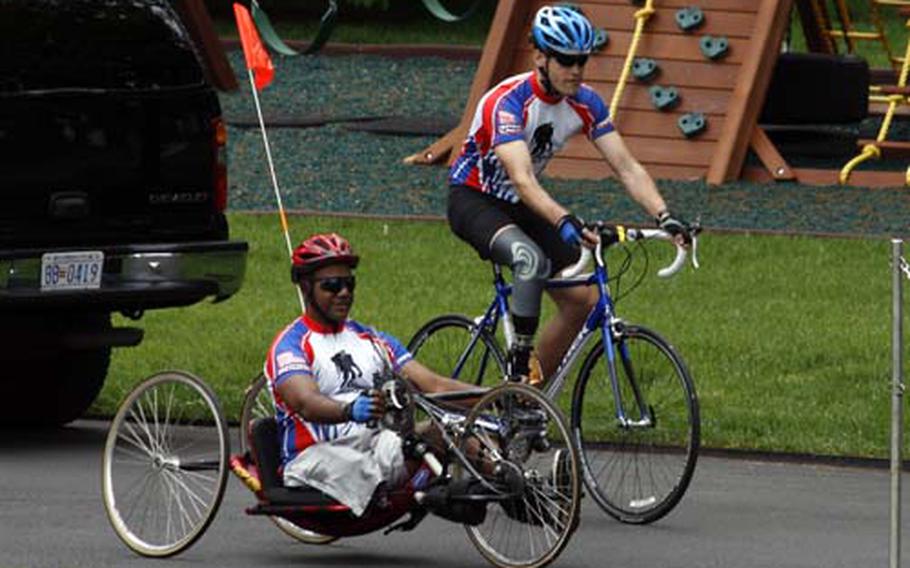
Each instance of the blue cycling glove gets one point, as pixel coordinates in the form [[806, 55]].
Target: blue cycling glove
[[360, 409], [570, 228]]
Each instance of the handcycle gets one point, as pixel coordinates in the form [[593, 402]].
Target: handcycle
[[508, 470], [634, 410]]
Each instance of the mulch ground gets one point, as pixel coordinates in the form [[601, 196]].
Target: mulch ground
[[340, 124]]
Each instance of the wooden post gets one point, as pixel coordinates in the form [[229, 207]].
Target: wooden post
[[502, 38], [751, 88], [199, 24], [776, 165]]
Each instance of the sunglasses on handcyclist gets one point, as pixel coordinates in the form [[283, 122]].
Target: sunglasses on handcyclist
[[336, 284], [567, 60]]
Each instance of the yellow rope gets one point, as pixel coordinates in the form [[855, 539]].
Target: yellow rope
[[872, 150], [641, 17]]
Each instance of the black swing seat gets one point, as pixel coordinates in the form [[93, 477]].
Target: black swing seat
[[266, 453]]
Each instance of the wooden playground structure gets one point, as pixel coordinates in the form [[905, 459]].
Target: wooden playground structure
[[698, 72]]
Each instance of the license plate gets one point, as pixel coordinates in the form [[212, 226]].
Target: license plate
[[71, 270]]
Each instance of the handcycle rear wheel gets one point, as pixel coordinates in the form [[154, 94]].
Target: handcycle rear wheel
[[531, 452], [447, 344], [257, 403], [165, 464], [637, 473]]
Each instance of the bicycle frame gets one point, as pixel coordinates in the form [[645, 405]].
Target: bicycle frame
[[602, 317]]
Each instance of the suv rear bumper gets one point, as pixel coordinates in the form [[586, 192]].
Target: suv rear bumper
[[135, 277]]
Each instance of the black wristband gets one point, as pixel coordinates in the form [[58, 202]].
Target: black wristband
[[348, 411]]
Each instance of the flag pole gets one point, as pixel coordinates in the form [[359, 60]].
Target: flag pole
[[268, 155]]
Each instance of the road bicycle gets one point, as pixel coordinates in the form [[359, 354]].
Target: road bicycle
[[634, 411], [508, 470]]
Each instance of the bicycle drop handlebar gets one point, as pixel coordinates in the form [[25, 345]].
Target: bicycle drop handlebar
[[611, 235]]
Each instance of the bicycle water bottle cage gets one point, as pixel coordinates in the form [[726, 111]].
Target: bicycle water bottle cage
[[714, 47], [692, 124], [644, 69], [664, 98], [690, 18]]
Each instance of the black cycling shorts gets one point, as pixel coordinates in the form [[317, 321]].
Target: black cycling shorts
[[476, 217]]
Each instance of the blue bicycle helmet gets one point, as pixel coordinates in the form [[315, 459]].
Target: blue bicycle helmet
[[562, 29]]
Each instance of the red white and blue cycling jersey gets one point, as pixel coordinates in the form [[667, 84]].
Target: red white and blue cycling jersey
[[519, 108], [343, 364]]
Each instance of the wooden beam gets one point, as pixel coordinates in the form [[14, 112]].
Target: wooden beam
[[776, 165], [814, 30], [199, 24], [810, 176], [494, 63], [749, 94]]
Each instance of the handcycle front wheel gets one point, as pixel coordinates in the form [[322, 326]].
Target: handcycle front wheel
[[519, 443], [257, 403], [165, 464], [453, 346], [637, 472]]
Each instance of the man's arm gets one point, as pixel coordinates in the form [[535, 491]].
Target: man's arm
[[516, 159], [302, 395], [635, 179], [428, 381]]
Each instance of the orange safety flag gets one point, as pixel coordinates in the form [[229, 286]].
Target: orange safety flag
[[257, 58]]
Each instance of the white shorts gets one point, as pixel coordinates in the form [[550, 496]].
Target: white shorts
[[349, 468]]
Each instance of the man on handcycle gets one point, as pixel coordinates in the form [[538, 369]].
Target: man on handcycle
[[496, 201], [321, 370]]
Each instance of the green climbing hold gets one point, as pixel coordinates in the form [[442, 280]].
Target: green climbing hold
[[714, 47], [664, 98], [601, 39], [690, 18], [644, 69], [692, 124]]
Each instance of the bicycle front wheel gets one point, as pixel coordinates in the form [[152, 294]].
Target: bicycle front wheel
[[453, 346], [257, 403], [517, 442], [637, 471], [165, 464]]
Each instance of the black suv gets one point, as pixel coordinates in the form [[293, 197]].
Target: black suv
[[113, 186]]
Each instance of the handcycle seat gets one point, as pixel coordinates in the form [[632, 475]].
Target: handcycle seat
[[266, 453]]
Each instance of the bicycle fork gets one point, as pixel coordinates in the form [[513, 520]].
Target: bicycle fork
[[612, 331]]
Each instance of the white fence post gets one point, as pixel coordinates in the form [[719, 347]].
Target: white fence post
[[897, 421]]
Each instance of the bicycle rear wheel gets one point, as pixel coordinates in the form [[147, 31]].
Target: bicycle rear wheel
[[165, 464], [518, 442], [452, 346], [637, 473], [257, 403]]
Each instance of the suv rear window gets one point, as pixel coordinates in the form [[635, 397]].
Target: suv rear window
[[134, 45]]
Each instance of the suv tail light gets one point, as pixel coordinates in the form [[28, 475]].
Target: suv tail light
[[219, 151]]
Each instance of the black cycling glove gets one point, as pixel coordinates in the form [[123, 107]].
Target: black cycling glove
[[674, 225]]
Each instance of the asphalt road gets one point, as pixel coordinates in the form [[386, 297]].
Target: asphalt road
[[737, 513]]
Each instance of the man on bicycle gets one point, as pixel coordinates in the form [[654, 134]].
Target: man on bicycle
[[497, 203], [321, 369]]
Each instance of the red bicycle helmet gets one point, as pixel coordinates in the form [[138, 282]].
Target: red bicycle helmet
[[321, 250]]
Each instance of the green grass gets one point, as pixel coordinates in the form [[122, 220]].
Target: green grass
[[788, 338]]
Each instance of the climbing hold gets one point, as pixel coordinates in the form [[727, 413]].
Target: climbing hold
[[714, 47], [692, 124], [664, 98], [690, 18], [644, 69], [601, 39]]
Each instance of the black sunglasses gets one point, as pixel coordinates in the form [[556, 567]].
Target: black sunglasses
[[336, 284], [567, 60]]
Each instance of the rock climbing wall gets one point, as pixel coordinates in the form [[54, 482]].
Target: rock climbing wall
[[717, 56]]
